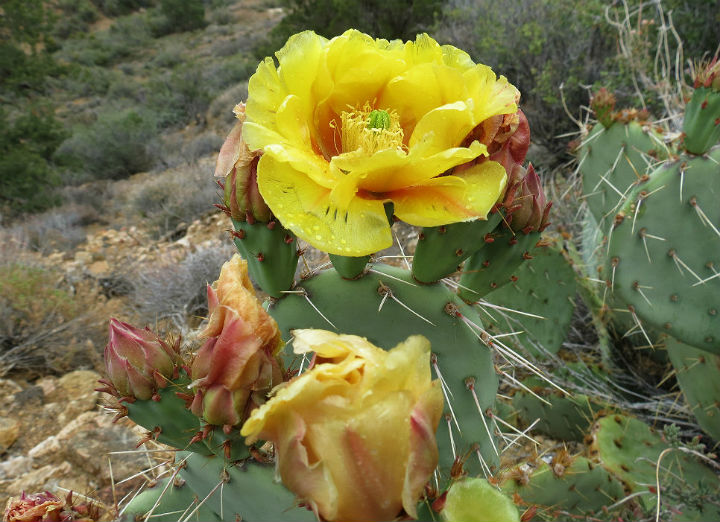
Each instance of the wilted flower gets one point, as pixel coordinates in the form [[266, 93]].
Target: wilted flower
[[349, 124], [355, 435], [46, 507], [603, 105], [237, 164], [137, 361], [236, 367], [707, 74], [507, 138], [525, 204]]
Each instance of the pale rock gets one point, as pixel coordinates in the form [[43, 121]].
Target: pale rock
[[47, 448], [82, 257], [15, 467], [48, 385], [99, 268], [76, 385], [9, 432], [8, 387], [50, 478]]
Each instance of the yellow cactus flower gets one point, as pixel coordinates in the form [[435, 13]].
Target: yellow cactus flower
[[348, 124], [355, 435]]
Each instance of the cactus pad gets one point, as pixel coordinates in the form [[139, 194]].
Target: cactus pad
[[664, 257], [271, 253], [698, 374], [630, 449], [611, 161], [569, 484], [546, 287]]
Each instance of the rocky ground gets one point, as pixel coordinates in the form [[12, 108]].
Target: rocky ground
[[55, 433]]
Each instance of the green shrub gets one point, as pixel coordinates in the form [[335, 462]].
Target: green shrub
[[115, 146], [77, 15], [177, 16], [540, 46], [29, 295], [120, 7], [122, 40], [26, 146], [176, 196], [388, 19]]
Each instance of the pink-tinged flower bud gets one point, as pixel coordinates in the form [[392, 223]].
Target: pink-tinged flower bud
[[354, 435], [525, 205], [237, 366], [137, 361], [238, 165]]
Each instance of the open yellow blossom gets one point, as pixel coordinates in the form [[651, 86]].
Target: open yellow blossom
[[348, 124], [355, 435]]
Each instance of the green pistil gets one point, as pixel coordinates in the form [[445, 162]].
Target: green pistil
[[379, 119]]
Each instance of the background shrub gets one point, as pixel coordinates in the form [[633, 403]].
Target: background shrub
[[165, 200], [26, 145], [115, 146], [176, 292], [177, 16], [388, 19]]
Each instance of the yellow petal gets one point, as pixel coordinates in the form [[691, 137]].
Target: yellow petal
[[420, 89], [451, 199], [393, 169], [329, 345], [304, 207], [448, 126]]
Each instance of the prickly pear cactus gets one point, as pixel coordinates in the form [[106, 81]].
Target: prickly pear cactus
[[543, 290], [638, 455], [698, 375], [564, 486], [664, 250], [554, 413], [614, 159]]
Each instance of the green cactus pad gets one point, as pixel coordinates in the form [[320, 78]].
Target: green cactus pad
[[271, 253], [702, 120], [664, 256], [565, 418], [698, 374], [630, 449], [177, 424], [440, 250], [353, 307], [494, 265], [546, 287], [611, 161], [242, 491], [578, 487], [175, 503], [476, 500], [349, 267]]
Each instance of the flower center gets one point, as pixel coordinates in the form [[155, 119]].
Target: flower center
[[370, 130]]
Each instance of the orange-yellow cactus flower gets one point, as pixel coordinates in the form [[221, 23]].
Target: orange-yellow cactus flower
[[354, 436], [237, 366], [348, 124]]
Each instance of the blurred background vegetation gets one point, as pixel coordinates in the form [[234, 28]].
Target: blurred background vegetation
[[97, 90]]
